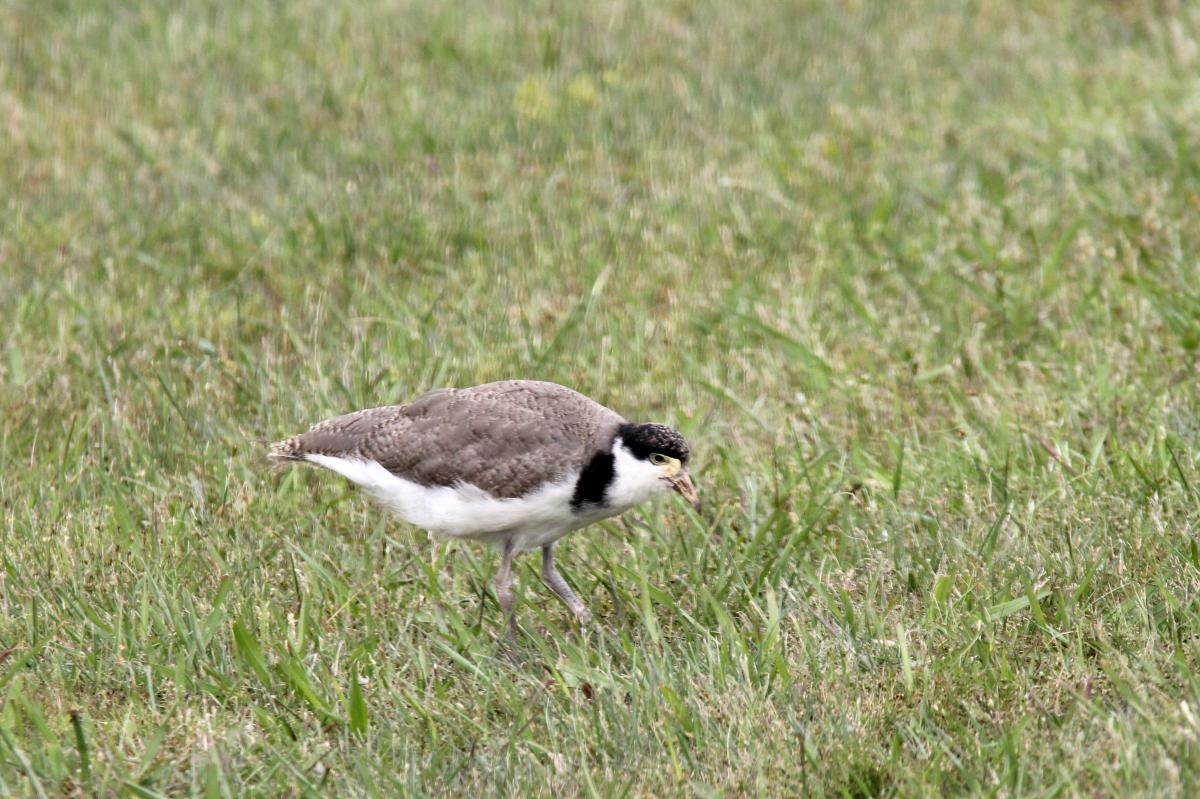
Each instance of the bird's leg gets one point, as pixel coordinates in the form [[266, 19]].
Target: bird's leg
[[443, 553], [559, 586], [504, 589]]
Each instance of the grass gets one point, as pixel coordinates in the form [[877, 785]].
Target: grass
[[917, 279]]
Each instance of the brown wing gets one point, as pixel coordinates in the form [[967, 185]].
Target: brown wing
[[506, 438]]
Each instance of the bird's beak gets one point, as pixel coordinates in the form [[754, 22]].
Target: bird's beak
[[683, 484]]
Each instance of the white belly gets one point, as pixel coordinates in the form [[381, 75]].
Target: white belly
[[465, 511]]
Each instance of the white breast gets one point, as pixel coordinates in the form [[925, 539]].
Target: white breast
[[465, 511]]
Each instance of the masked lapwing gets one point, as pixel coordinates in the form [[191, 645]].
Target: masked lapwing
[[519, 463]]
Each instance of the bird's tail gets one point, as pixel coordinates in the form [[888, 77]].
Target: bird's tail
[[286, 450]]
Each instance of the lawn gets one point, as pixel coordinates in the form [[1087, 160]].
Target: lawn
[[918, 280]]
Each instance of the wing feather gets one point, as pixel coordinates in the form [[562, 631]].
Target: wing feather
[[506, 438]]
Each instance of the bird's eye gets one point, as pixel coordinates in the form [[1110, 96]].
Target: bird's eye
[[658, 459]]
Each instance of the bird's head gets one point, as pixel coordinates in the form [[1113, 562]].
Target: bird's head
[[662, 456]]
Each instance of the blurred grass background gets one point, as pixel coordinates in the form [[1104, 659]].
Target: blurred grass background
[[918, 279]]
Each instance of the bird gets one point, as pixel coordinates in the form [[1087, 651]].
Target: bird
[[516, 463]]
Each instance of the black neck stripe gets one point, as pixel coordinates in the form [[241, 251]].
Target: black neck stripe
[[594, 481]]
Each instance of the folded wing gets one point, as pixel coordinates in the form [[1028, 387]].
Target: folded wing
[[506, 438]]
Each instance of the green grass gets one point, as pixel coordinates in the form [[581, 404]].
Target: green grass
[[919, 281]]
